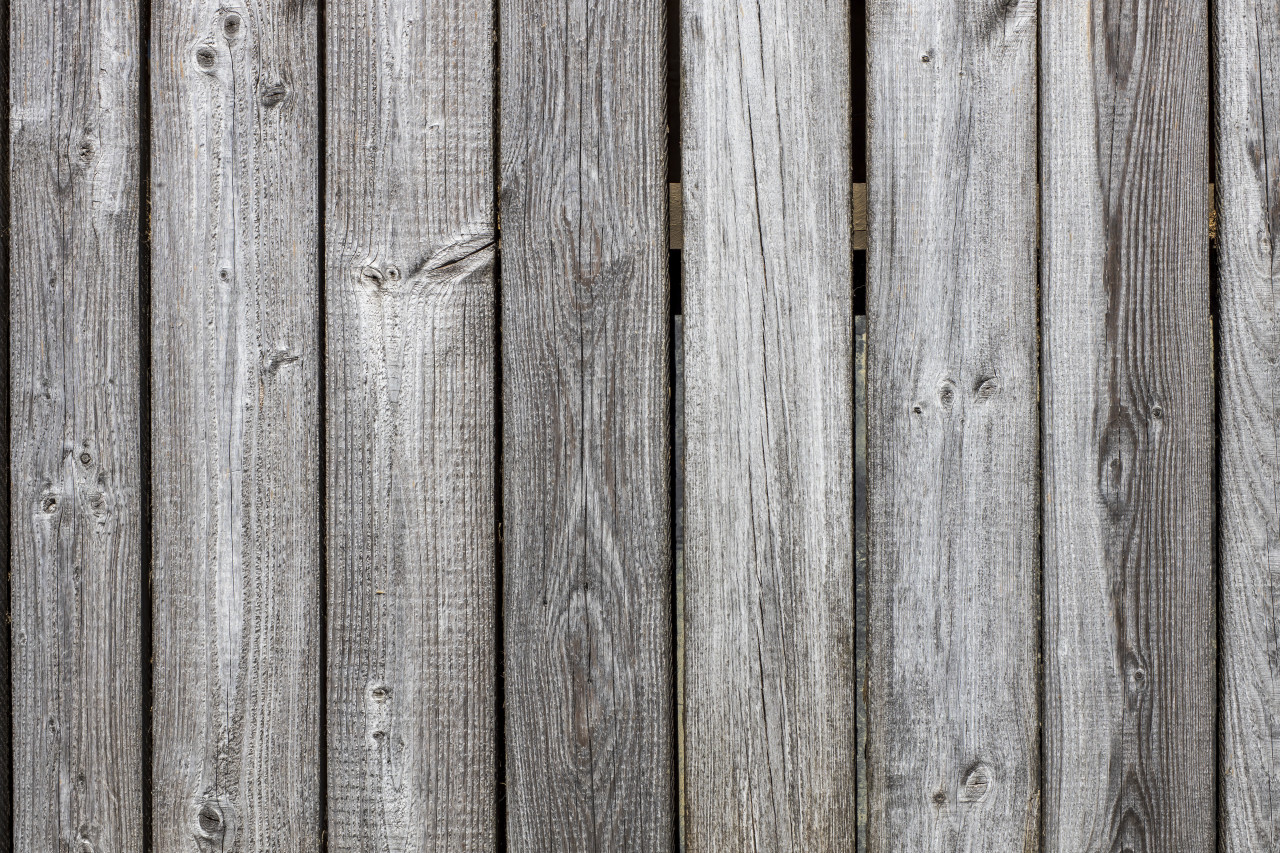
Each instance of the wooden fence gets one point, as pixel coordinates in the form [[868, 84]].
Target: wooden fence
[[473, 425]]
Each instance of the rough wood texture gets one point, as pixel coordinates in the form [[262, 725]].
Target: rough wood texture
[[235, 426], [952, 427], [769, 669], [1248, 195], [585, 427], [410, 467], [862, 604], [76, 526], [1128, 441]]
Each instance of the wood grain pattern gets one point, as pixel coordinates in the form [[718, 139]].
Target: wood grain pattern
[[410, 452], [952, 447], [76, 524], [769, 669], [862, 603], [1128, 444], [235, 426], [1248, 194], [587, 589]]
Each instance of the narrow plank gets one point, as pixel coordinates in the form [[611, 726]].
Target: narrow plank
[[677, 512], [6, 455], [862, 604], [587, 551], [75, 344], [1247, 43], [769, 663], [952, 446], [1129, 598], [410, 449], [235, 425]]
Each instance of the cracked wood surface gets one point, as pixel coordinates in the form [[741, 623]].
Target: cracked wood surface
[[77, 514], [410, 453], [235, 426], [769, 668], [953, 431], [587, 595], [1248, 194], [1129, 601]]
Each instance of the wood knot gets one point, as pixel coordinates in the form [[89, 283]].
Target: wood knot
[[977, 782], [379, 693], [274, 94], [1137, 680], [985, 387], [946, 394], [205, 57], [214, 825], [231, 25]]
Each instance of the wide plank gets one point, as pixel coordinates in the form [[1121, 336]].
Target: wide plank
[[586, 527], [953, 428], [769, 646], [1127, 387], [1247, 45], [76, 525], [410, 363], [235, 425]]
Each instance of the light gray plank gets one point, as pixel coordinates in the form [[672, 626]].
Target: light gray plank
[[862, 604], [769, 668], [235, 425], [410, 453], [1247, 41], [1128, 441], [587, 548], [952, 440], [76, 525]]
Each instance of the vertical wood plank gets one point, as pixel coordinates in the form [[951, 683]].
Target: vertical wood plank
[[1128, 447], [585, 429], [410, 451], [862, 604], [76, 522], [1248, 195], [235, 425], [769, 678], [952, 426]]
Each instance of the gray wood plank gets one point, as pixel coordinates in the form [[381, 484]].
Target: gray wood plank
[[1247, 43], [1129, 597], [587, 551], [952, 440], [769, 658], [410, 449], [76, 526], [235, 425], [862, 604]]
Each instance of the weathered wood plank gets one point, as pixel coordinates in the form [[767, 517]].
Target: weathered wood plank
[[862, 604], [1248, 229], [585, 429], [1128, 442], [952, 427], [76, 526], [769, 669], [410, 452], [235, 425]]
